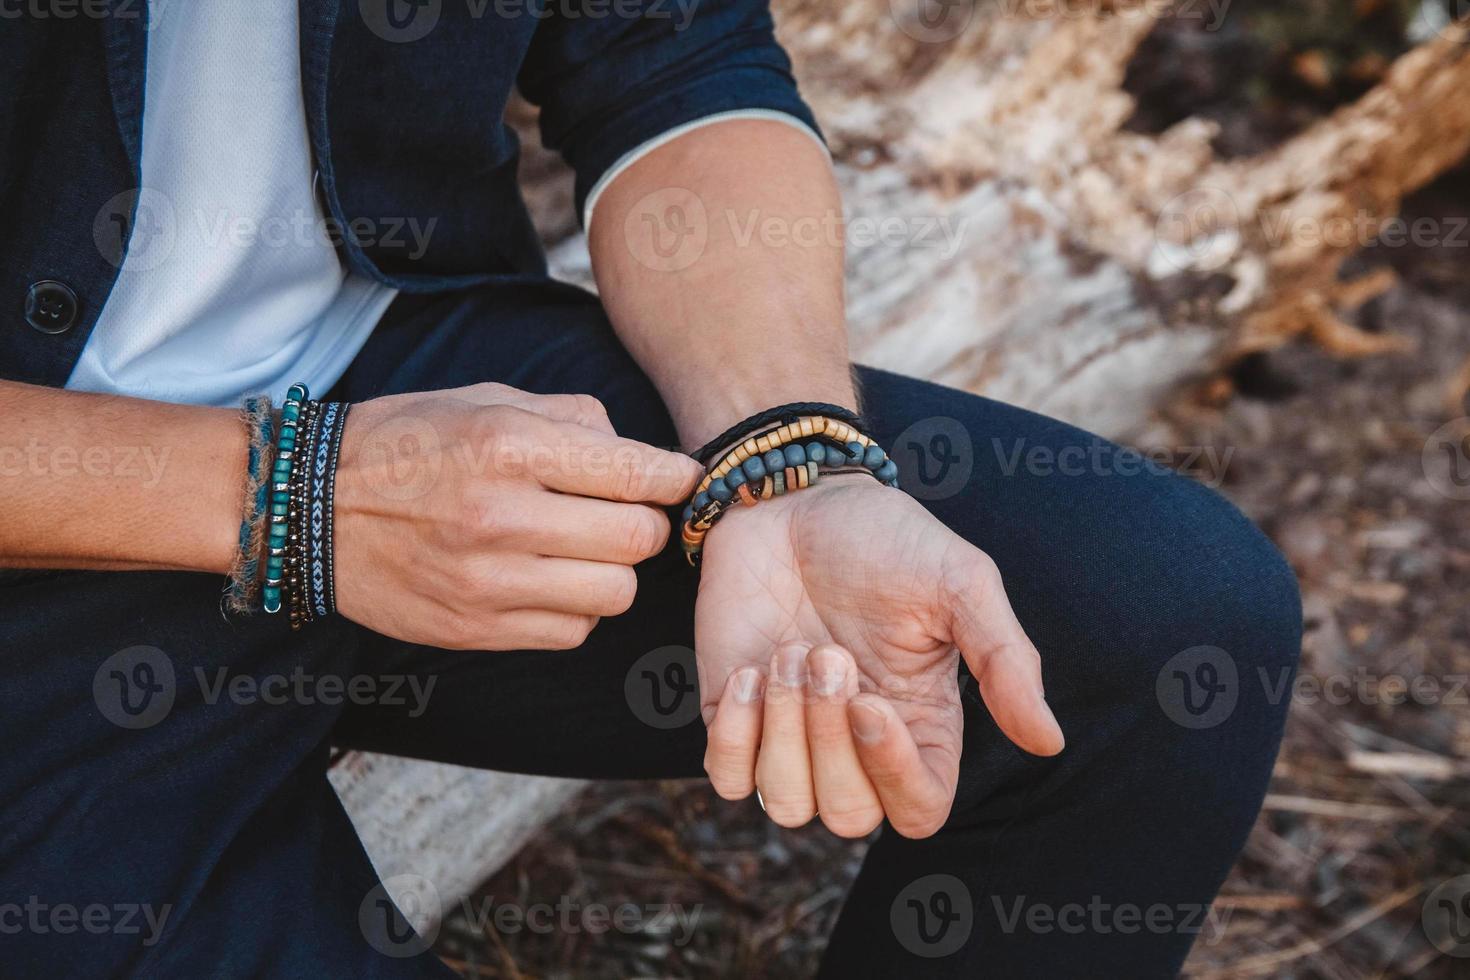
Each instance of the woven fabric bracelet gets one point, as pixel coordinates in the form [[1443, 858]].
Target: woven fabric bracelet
[[243, 589], [280, 499], [326, 441], [777, 461], [331, 592], [779, 415]]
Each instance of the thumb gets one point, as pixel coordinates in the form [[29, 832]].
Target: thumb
[[998, 653]]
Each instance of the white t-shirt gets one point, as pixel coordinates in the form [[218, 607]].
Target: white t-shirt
[[232, 285]]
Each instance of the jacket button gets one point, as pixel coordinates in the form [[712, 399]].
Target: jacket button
[[51, 306]]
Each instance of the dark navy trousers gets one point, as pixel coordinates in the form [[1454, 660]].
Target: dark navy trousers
[[164, 808]]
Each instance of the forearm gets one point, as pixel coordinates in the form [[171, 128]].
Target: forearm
[[752, 317], [105, 482]]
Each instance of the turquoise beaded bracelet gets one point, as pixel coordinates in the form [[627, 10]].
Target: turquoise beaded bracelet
[[275, 563]]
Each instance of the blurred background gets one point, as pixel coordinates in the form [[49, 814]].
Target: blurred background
[[1234, 234]]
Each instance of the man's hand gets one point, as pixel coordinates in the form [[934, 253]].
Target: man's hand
[[829, 627], [494, 519]]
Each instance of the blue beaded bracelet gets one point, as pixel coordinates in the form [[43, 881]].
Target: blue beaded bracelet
[[280, 499], [776, 462]]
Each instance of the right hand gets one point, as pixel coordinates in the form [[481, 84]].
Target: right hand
[[489, 518]]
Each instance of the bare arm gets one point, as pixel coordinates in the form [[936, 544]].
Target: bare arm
[[106, 482], [737, 305], [719, 257]]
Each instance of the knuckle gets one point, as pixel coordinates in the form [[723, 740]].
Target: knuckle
[[790, 813], [494, 390], [480, 518], [625, 477], [925, 823], [852, 823], [494, 425], [459, 632], [570, 632], [589, 408], [474, 579], [727, 778], [621, 591], [985, 572], [646, 532]]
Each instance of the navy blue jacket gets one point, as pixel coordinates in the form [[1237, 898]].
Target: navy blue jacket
[[405, 102]]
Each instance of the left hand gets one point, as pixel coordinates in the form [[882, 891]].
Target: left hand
[[828, 631]]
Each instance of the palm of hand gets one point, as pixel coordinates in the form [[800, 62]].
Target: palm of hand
[[849, 562]]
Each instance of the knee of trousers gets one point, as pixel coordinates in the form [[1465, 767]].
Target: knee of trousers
[[1177, 629], [1191, 652]]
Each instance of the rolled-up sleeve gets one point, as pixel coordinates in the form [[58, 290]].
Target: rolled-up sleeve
[[613, 77]]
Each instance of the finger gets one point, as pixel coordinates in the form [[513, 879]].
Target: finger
[[579, 408], [916, 799], [846, 801], [734, 735], [559, 585], [537, 629], [783, 771], [584, 410], [999, 654], [564, 526], [575, 459]]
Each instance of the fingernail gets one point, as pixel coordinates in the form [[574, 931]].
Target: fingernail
[[828, 672], [867, 722], [747, 685], [791, 665]]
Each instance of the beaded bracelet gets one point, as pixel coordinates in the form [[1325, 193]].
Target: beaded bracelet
[[779, 415], [297, 515], [281, 471], [779, 461]]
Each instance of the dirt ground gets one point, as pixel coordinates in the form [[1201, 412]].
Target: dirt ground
[[1369, 809]]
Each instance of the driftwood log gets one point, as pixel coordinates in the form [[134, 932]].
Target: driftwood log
[[1043, 255]]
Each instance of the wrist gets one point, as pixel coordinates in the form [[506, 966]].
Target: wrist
[[701, 415]]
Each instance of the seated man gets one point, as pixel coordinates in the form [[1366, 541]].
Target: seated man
[[211, 201]]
